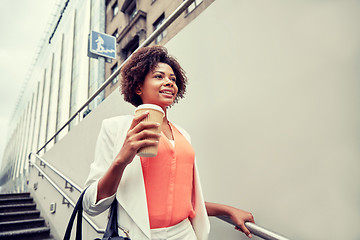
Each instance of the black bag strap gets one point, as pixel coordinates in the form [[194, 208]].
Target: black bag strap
[[78, 209], [112, 226]]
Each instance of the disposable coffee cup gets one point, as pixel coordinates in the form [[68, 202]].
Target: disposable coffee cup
[[156, 114]]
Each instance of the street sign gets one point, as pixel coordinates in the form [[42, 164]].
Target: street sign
[[102, 44]]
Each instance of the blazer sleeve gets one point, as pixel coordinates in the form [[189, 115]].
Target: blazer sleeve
[[102, 161]]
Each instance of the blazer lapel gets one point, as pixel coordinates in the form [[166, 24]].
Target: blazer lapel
[[132, 197]]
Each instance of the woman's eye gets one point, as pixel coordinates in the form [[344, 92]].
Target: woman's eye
[[158, 76], [173, 79]]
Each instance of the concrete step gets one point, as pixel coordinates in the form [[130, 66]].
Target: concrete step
[[28, 234], [22, 224], [17, 207], [14, 195], [13, 216], [19, 218], [15, 200]]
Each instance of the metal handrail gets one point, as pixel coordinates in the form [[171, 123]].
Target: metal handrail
[[182, 7], [68, 199], [256, 230], [67, 180]]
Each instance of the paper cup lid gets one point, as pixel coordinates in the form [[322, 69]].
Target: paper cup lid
[[150, 106]]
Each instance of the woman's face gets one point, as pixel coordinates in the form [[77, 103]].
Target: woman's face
[[159, 86]]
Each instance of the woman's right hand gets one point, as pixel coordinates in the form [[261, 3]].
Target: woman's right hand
[[136, 138]]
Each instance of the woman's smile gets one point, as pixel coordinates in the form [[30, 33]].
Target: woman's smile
[[167, 93]]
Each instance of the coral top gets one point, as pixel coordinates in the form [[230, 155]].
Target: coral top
[[168, 181]]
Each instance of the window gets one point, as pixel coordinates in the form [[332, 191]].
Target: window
[[193, 6], [156, 25], [130, 47], [113, 69], [115, 9], [132, 12], [129, 8], [115, 34]]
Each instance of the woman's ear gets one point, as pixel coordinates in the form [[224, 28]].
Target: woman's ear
[[138, 90]]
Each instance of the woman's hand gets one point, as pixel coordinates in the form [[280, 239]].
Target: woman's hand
[[239, 217], [136, 138]]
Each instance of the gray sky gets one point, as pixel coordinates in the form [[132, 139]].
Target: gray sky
[[22, 25]]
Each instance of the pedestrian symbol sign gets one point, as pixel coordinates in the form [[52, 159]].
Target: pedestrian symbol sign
[[102, 44]]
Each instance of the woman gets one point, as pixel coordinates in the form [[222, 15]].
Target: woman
[[160, 197]]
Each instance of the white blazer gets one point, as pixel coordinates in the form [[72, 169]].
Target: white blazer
[[131, 196]]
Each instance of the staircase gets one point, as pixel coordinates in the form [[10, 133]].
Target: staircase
[[19, 218]]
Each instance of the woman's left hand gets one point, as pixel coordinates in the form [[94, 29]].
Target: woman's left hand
[[239, 217]]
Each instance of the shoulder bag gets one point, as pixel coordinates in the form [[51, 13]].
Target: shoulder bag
[[111, 232]]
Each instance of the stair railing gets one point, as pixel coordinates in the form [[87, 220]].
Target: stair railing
[[67, 180], [66, 199], [254, 229]]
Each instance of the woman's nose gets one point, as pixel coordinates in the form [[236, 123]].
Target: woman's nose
[[168, 82]]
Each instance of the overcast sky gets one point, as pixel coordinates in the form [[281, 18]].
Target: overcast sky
[[22, 24]]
